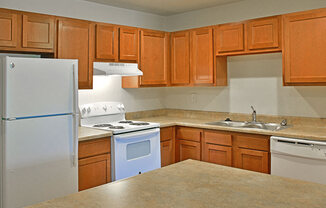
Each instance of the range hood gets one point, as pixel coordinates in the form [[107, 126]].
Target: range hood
[[122, 69]]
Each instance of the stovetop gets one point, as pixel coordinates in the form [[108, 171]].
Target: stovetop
[[123, 126], [110, 116]]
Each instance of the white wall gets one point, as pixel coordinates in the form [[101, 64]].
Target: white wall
[[89, 11], [238, 11], [253, 80]]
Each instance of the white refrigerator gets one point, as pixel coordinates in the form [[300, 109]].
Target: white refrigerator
[[39, 130]]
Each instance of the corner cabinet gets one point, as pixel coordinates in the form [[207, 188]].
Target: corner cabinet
[[94, 160], [75, 42], [304, 50], [154, 61]]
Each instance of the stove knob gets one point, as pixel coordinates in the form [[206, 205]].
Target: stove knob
[[83, 111], [105, 108], [89, 110]]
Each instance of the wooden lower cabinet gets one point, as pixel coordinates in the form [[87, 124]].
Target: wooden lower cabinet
[[253, 160], [187, 150], [94, 171], [167, 146], [218, 154], [94, 164]]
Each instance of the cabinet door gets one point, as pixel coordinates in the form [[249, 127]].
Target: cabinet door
[[167, 153], [154, 58], [94, 171], [305, 48], [106, 42], [253, 160], [229, 38], [187, 150], [74, 42], [202, 64], [128, 44], [264, 33], [38, 31], [8, 31], [180, 68], [217, 154]]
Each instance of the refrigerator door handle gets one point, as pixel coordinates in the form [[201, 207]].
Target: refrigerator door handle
[[75, 117]]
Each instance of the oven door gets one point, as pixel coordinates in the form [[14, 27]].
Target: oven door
[[135, 153]]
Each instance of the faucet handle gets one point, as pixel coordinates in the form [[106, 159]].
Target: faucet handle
[[284, 122], [253, 109]]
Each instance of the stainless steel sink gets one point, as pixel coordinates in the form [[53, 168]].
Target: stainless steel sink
[[252, 125]]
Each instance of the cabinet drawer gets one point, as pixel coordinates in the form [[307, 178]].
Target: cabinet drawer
[[166, 133], [191, 134], [256, 142], [213, 137], [94, 147]]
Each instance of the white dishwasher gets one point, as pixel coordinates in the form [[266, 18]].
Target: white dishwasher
[[299, 159]]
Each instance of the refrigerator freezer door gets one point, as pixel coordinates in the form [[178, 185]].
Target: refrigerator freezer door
[[38, 160], [35, 86]]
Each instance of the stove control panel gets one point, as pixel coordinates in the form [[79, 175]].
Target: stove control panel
[[101, 109]]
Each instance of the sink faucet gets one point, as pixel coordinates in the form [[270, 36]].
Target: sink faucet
[[254, 115]]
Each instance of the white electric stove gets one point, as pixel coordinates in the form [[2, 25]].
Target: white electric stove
[[135, 145]]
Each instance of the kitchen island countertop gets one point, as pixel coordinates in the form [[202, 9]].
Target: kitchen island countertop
[[198, 184]]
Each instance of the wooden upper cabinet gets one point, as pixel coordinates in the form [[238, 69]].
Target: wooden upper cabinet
[[8, 31], [154, 58], [264, 33], [180, 62], [106, 38], [201, 61], [229, 38], [128, 44], [38, 31], [304, 49], [75, 42]]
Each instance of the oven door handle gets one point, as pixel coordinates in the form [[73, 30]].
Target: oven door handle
[[137, 134]]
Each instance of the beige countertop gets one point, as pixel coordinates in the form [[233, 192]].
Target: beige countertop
[[294, 131], [198, 184], [85, 133]]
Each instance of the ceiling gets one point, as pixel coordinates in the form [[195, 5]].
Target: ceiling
[[164, 7]]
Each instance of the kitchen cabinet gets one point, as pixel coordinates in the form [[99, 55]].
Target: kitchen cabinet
[[106, 41], [75, 42], [202, 56], [254, 36], [180, 60], [217, 148], [9, 27], [251, 152], [94, 163], [26, 32], [253, 160], [154, 60], [167, 146], [264, 33], [304, 48], [188, 143], [229, 38], [128, 44], [38, 31]]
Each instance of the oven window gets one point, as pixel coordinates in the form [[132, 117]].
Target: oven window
[[138, 149]]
